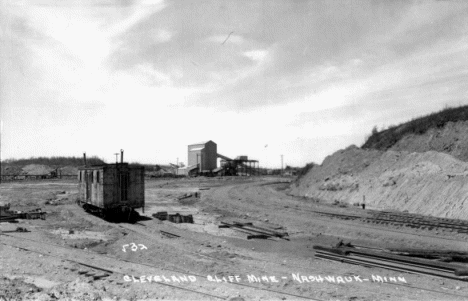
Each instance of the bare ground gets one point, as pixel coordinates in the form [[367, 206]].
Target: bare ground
[[76, 256]]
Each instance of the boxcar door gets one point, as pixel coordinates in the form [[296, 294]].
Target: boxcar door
[[89, 183]]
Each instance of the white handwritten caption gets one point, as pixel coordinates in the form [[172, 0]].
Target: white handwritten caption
[[266, 279], [134, 247]]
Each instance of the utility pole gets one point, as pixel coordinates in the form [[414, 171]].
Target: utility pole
[[177, 169], [281, 165]]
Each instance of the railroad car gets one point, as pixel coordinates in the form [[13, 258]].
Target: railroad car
[[112, 191]]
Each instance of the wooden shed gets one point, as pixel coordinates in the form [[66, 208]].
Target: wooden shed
[[109, 188]]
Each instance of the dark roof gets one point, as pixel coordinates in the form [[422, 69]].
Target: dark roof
[[203, 142]]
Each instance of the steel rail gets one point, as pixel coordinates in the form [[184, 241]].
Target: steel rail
[[405, 259], [390, 261], [345, 259], [419, 265]]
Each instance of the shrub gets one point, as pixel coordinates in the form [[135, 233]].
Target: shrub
[[385, 139]]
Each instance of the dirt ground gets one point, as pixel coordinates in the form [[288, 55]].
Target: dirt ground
[[73, 255]]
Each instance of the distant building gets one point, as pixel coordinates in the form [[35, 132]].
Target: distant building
[[202, 156]]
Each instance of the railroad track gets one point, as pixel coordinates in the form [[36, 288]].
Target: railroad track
[[410, 220], [401, 219], [418, 221]]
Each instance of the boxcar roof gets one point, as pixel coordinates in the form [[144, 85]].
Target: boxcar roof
[[102, 166]]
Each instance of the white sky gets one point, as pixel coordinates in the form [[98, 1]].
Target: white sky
[[259, 78]]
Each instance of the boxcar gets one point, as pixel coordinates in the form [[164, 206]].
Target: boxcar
[[112, 191]]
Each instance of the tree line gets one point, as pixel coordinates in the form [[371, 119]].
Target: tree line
[[54, 161]]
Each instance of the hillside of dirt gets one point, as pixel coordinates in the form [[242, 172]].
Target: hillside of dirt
[[420, 166], [430, 183]]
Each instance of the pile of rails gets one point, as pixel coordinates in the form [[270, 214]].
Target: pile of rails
[[254, 231], [446, 256], [7, 215], [406, 220], [395, 260]]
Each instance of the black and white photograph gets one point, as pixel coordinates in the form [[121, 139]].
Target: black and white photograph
[[233, 150]]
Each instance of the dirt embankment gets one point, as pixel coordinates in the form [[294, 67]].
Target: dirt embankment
[[430, 183]]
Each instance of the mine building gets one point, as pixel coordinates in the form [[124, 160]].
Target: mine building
[[202, 157], [111, 189], [202, 160]]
